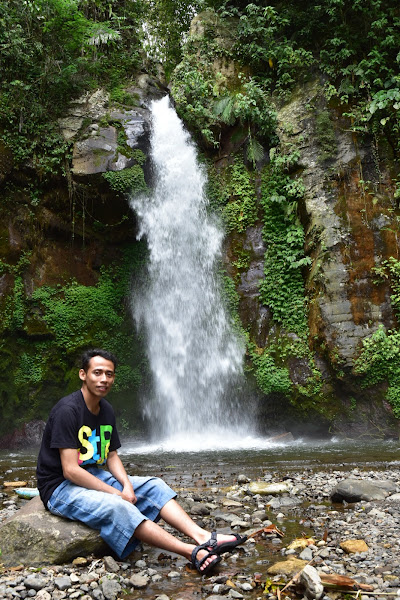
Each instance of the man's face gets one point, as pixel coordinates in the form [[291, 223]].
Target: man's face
[[99, 377]]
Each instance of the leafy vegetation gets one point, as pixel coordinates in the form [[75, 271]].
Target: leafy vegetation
[[275, 44], [127, 180], [209, 99], [380, 356], [51, 51], [282, 289], [62, 321]]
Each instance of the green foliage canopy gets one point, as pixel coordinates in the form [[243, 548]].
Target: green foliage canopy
[[51, 51]]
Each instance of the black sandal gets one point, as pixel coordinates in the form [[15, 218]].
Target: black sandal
[[198, 563], [216, 548]]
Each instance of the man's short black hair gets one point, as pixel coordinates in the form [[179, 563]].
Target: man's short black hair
[[89, 354]]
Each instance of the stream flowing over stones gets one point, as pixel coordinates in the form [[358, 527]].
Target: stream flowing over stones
[[292, 488], [194, 355]]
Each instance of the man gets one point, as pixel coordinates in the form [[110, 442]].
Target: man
[[80, 436]]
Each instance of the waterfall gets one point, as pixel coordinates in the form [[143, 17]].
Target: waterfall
[[194, 355]]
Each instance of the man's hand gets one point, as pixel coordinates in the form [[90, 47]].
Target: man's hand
[[128, 493], [117, 469]]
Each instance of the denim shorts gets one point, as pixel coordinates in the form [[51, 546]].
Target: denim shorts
[[114, 518]]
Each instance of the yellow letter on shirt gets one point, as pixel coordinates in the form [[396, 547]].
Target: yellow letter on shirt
[[85, 443]]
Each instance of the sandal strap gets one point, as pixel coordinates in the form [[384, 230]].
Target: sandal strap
[[212, 542]]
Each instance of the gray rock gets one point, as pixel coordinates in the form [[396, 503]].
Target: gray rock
[[141, 564], [199, 509], [110, 589], [110, 564], [247, 587], [139, 581], [97, 594], [235, 594], [355, 490], [306, 554], [312, 582], [394, 498], [62, 583], [35, 583], [227, 517], [36, 537], [282, 502], [173, 575]]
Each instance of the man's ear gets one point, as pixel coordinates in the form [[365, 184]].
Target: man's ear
[[82, 374]]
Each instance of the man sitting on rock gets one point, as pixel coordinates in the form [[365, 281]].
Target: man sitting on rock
[[79, 437]]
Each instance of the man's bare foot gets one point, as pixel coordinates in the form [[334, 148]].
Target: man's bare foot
[[221, 542], [203, 560]]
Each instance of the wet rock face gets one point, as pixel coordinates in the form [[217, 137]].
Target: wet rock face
[[253, 314], [95, 127], [29, 435], [351, 227], [347, 223]]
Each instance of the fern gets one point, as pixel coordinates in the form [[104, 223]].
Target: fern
[[255, 151]]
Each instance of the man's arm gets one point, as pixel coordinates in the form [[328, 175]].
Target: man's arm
[[73, 472], [117, 469]]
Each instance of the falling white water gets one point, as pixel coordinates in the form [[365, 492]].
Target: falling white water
[[195, 358]]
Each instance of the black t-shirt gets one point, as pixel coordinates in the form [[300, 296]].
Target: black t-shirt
[[72, 425]]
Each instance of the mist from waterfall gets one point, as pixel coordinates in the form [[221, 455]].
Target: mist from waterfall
[[195, 358]]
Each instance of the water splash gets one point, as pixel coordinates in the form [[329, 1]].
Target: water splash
[[194, 355]]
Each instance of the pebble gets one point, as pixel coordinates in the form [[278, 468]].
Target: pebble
[[110, 589], [62, 583], [110, 564], [139, 581]]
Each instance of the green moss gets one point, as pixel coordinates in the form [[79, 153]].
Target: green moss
[[270, 377], [325, 136], [232, 195], [129, 180], [139, 157], [44, 334], [119, 95], [379, 359]]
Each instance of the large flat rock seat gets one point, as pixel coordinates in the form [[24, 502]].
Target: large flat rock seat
[[34, 537]]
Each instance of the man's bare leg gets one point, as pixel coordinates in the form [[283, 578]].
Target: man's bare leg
[[154, 535], [174, 515]]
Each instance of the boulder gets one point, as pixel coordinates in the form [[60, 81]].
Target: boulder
[[35, 537], [95, 127], [354, 490], [30, 434]]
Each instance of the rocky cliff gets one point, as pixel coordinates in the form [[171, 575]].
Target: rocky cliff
[[68, 252], [313, 226], [310, 208]]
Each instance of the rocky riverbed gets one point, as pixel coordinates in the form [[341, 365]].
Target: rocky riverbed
[[291, 521]]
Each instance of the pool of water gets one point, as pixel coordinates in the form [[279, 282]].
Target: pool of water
[[254, 459], [266, 456]]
